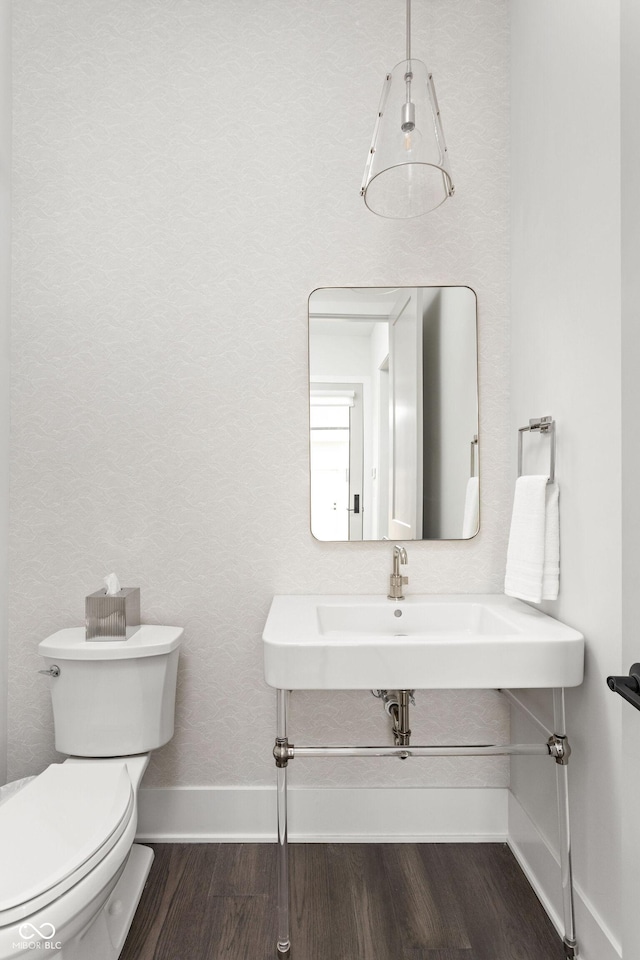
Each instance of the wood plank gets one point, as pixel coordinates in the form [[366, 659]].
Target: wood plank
[[527, 924], [439, 953], [310, 885], [244, 869], [185, 930], [503, 915], [170, 863], [361, 887], [241, 928], [424, 904], [339, 895]]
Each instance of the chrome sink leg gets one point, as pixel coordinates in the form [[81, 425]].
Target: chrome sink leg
[[562, 758], [284, 942]]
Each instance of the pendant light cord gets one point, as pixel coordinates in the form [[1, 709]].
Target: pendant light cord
[[409, 74]]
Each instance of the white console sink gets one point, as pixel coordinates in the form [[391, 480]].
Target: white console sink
[[422, 642]]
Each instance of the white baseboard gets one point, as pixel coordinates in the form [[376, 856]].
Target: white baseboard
[[542, 867], [317, 815]]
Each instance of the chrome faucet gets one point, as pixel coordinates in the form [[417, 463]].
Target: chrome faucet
[[396, 580]]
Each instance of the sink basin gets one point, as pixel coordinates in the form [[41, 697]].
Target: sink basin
[[422, 642]]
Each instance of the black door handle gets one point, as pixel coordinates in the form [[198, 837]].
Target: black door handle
[[628, 687]]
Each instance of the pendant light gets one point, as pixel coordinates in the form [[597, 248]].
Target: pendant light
[[407, 171]]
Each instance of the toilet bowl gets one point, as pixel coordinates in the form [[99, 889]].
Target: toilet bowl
[[73, 875]]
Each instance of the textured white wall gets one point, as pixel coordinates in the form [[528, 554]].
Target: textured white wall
[[186, 173], [566, 362]]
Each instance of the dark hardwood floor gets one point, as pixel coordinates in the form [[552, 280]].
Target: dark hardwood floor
[[445, 901]]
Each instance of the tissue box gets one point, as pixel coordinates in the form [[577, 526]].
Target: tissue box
[[112, 617]]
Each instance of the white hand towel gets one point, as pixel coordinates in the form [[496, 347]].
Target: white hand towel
[[471, 509], [533, 555]]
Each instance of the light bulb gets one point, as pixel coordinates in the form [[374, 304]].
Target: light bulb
[[412, 143]]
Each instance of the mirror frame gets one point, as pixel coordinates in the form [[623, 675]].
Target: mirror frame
[[474, 443]]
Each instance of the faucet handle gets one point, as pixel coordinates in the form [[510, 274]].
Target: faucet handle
[[400, 553]]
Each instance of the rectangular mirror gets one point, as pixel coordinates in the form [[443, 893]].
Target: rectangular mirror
[[393, 398]]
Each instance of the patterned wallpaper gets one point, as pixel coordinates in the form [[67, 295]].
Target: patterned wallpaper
[[185, 173]]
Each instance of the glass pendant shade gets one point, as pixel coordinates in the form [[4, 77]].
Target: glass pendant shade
[[407, 172]]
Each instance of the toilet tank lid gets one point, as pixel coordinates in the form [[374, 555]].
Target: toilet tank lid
[[57, 824], [150, 640]]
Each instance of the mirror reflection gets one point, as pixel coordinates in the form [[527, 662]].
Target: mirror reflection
[[393, 397]]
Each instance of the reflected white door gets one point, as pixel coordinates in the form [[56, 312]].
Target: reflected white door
[[405, 418], [336, 454], [330, 485]]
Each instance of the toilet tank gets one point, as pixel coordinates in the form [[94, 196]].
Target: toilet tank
[[113, 698]]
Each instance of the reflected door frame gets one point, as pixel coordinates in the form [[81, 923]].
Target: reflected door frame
[[405, 417]]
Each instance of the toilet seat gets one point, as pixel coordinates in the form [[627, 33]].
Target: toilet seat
[[57, 829]]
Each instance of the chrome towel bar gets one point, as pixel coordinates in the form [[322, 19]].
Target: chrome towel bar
[[546, 425], [473, 471]]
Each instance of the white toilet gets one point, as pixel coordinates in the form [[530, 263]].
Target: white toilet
[[71, 875]]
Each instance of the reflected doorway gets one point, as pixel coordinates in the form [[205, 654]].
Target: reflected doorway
[[337, 460]]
